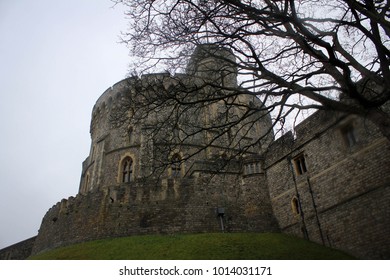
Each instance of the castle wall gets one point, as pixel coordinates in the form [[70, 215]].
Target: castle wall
[[19, 251], [344, 193], [328, 183], [187, 205]]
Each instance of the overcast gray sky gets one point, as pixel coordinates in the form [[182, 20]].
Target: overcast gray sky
[[56, 59]]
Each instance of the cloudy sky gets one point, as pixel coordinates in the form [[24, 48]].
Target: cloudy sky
[[56, 59]]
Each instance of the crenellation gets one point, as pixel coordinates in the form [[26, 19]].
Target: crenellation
[[328, 182]]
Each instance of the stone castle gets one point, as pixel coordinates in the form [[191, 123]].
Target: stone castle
[[328, 183]]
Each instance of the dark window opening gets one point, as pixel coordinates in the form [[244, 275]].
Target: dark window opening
[[349, 135], [295, 205], [252, 168], [300, 165], [130, 135], [127, 170], [176, 165]]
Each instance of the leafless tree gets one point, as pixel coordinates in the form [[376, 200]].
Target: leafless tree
[[294, 56]]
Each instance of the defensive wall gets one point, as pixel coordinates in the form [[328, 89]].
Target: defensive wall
[[331, 184], [123, 191], [328, 182], [201, 202], [18, 251], [341, 200]]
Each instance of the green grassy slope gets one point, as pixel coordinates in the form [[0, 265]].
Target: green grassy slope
[[217, 246]]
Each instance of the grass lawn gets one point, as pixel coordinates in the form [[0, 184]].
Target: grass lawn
[[213, 246]]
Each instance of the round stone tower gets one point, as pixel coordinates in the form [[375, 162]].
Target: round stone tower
[[142, 142], [154, 168]]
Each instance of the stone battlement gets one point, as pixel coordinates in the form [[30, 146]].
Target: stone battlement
[[177, 205]]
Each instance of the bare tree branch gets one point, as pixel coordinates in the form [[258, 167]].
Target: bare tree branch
[[288, 57]]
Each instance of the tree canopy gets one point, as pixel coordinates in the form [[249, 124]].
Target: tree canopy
[[293, 55]]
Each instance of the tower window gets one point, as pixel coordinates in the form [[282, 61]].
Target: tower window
[[130, 134], [127, 170], [252, 168], [348, 133], [300, 164], [176, 165], [295, 205], [258, 169]]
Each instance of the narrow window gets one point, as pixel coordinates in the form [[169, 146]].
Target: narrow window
[[300, 164], [127, 170], [130, 134], [295, 205], [258, 169], [254, 168], [348, 132], [176, 165], [250, 168], [246, 168]]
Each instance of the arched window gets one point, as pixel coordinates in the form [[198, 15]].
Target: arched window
[[295, 205], [176, 165], [127, 169], [348, 132]]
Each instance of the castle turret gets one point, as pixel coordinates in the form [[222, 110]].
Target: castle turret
[[214, 64]]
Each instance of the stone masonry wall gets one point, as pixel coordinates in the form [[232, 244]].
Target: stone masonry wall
[[19, 251], [345, 191], [187, 205]]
